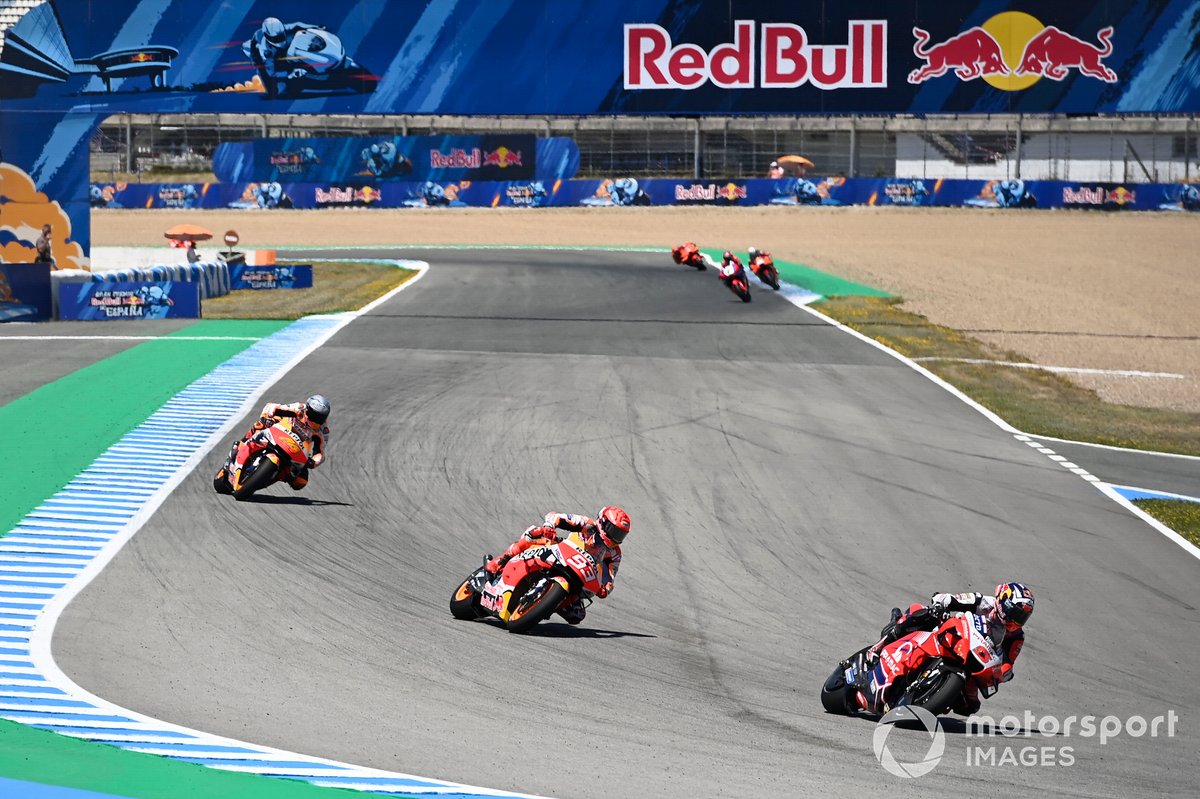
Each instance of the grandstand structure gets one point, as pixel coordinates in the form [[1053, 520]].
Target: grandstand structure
[[1131, 149]]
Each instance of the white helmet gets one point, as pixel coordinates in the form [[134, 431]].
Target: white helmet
[[753, 253], [273, 31]]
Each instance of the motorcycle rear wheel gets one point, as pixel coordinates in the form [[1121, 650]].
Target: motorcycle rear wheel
[[531, 610], [464, 604], [258, 480]]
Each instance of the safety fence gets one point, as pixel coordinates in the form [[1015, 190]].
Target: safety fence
[[656, 191]]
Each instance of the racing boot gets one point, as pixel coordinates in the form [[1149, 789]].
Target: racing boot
[[573, 612]]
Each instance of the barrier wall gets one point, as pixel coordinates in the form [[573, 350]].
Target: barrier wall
[[659, 191]]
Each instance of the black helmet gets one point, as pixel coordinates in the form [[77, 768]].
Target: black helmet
[[316, 408]]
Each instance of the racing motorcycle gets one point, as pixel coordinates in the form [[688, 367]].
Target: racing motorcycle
[[922, 669], [738, 285], [766, 271], [270, 455], [530, 587]]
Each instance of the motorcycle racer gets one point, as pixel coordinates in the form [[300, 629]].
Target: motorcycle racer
[[1006, 613], [689, 254], [312, 415], [600, 537], [758, 259], [731, 267]]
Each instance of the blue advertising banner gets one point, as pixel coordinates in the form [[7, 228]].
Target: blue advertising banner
[[25, 292], [375, 159], [296, 276], [1011, 193], [142, 300]]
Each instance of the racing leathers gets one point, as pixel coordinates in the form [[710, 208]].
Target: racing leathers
[[272, 412], [731, 268], [1008, 637], [583, 532]]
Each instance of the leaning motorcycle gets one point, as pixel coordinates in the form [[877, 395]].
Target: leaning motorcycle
[[738, 285], [530, 587], [766, 271], [270, 455], [922, 669]]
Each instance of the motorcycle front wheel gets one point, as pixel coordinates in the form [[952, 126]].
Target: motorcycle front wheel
[[536, 606], [259, 479], [934, 689]]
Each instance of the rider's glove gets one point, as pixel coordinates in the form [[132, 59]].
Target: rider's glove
[[312, 464], [605, 589], [297, 73]]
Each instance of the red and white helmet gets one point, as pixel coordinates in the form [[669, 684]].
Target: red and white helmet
[[613, 523]]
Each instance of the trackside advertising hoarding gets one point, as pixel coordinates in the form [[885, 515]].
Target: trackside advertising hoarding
[[115, 300], [67, 65]]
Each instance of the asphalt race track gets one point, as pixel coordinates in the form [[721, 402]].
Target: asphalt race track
[[788, 485]]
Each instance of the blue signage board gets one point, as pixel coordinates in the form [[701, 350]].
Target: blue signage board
[[149, 300], [296, 276], [25, 292]]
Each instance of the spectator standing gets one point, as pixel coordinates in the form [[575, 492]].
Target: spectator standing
[[44, 254], [193, 255]]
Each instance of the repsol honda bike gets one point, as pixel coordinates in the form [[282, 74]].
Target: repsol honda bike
[[922, 669], [272, 454], [530, 587], [738, 284]]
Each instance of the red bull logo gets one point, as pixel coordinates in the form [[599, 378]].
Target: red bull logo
[[503, 157], [1012, 51], [773, 55]]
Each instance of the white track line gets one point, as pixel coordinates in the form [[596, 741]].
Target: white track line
[[1034, 442], [1065, 369], [79, 713]]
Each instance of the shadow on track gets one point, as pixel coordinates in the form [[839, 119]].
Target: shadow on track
[[285, 500]]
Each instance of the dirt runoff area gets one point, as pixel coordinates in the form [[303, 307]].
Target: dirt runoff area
[[1118, 292]]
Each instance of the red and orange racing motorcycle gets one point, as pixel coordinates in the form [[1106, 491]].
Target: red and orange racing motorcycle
[[765, 268], [922, 669], [272, 454], [530, 587]]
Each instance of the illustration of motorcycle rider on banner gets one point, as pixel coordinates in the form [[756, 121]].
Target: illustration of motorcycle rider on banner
[[298, 57]]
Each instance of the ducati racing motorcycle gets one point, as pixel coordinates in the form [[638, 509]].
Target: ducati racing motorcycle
[[923, 669], [766, 271], [530, 587], [272, 454]]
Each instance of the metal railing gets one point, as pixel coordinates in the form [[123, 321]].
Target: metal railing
[[151, 148]]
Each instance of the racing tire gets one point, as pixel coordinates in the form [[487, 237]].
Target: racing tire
[[835, 693], [936, 692], [258, 480], [530, 611], [464, 605], [221, 483]]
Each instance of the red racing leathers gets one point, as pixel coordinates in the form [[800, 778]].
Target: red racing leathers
[[1008, 637], [584, 532]]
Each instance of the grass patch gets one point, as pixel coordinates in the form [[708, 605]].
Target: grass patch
[[1036, 402], [1180, 515], [337, 286]]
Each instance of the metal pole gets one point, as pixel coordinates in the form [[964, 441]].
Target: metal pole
[[853, 149], [129, 143], [1017, 172], [697, 161]]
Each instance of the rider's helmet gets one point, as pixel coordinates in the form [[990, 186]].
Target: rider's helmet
[[677, 253], [316, 408], [614, 525], [273, 31], [752, 253], [728, 256], [1014, 604]]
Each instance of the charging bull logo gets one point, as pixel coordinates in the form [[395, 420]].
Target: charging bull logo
[[1012, 51]]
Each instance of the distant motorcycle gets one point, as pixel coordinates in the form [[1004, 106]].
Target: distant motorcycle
[[270, 455], [765, 268], [922, 669], [530, 587], [738, 284]]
